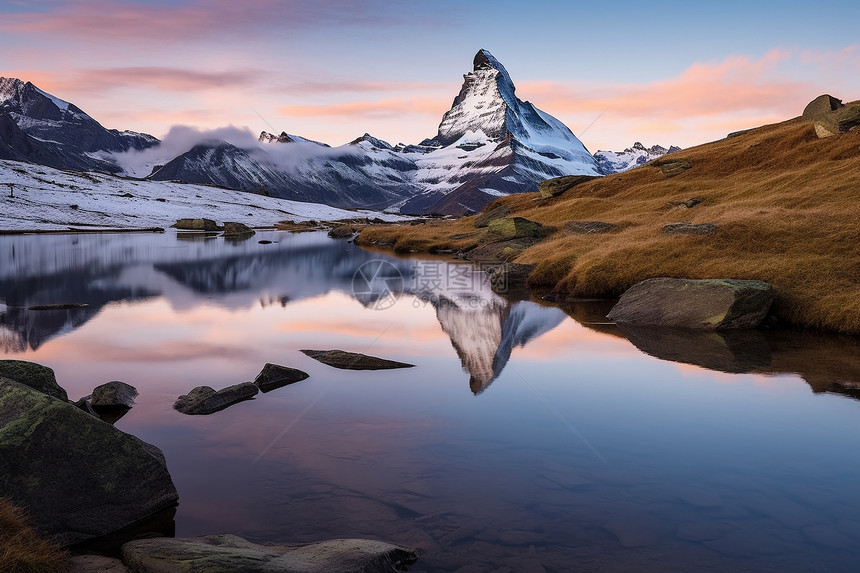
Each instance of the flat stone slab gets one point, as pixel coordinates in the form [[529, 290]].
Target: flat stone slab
[[218, 553], [354, 360], [204, 400], [685, 228], [708, 304], [273, 376], [588, 227]]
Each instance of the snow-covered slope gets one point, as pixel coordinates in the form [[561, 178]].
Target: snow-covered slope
[[618, 161], [364, 173], [491, 143], [58, 133], [46, 198]]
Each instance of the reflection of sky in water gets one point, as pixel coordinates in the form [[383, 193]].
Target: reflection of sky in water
[[583, 450]]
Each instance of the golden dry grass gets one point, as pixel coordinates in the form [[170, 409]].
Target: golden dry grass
[[22, 550], [787, 204]]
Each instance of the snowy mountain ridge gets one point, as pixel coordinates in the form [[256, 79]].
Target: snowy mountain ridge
[[488, 144], [620, 161]]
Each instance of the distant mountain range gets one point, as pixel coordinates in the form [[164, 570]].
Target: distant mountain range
[[489, 144]]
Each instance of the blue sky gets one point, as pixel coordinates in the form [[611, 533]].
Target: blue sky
[[614, 72]]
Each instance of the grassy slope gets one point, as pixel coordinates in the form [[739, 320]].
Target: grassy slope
[[787, 203], [22, 550]]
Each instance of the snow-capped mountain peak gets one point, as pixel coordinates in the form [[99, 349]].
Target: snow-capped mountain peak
[[638, 154]]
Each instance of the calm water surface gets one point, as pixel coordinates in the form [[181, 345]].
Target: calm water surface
[[527, 438]]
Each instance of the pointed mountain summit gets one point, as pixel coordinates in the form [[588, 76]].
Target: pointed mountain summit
[[491, 143], [58, 133]]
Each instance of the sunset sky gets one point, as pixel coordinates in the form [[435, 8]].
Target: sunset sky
[[615, 72]]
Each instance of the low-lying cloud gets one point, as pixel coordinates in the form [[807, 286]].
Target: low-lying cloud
[[183, 138]]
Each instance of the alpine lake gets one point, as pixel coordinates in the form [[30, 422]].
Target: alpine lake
[[526, 438]]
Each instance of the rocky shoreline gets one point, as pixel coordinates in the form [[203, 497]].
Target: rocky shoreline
[[99, 492]]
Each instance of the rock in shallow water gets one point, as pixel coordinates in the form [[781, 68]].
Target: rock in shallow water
[[708, 304], [273, 376], [354, 360], [205, 400], [113, 395], [232, 553], [78, 477]]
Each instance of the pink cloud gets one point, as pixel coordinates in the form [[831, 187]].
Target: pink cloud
[[394, 107], [737, 84], [88, 20]]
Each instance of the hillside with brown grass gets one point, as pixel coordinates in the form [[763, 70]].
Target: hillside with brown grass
[[786, 203], [22, 550]]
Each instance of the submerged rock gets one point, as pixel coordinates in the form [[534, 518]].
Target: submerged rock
[[205, 400], [353, 360], [34, 375], [76, 476], [708, 304], [273, 376], [232, 553]]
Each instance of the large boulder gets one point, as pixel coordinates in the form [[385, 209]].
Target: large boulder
[[838, 122], [196, 225], [114, 394], [708, 304], [34, 375], [353, 360], [557, 186], [76, 476], [513, 228], [484, 218], [232, 553], [820, 107], [273, 376], [237, 231], [204, 400]]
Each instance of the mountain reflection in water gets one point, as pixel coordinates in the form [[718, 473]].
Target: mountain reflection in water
[[190, 269], [596, 448]]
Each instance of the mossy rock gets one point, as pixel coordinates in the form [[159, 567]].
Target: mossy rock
[[78, 477], [237, 231], [495, 213], [34, 375], [514, 228], [710, 304], [558, 185]]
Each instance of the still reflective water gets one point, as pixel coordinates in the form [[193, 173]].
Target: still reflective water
[[527, 437]]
